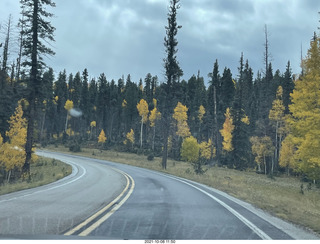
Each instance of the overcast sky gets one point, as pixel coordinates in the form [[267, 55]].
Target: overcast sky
[[121, 37]]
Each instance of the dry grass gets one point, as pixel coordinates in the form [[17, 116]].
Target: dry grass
[[43, 172], [280, 196]]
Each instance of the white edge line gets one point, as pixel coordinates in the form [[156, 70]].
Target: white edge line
[[247, 222], [54, 187]]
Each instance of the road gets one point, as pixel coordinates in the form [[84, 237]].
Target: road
[[113, 201]]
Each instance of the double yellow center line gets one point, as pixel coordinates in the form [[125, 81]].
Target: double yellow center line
[[93, 222]]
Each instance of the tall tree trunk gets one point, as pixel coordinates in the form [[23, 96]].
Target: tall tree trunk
[[153, 137], [33, 88], [215, 131], [42, 126], [141, 131]]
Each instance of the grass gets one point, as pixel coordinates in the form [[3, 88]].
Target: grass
[[43, 172], [280, 196]]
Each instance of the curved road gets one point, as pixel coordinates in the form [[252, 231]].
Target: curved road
[[113, 201]]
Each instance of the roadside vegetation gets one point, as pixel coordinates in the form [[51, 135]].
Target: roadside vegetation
[[42, 172]]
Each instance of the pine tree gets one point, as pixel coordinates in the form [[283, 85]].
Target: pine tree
[[84, 102], [227, 90], [6, 45], [214, 103], [288, 86], [60, 93], [172, 74], [240, 156], [147, 88], [38, 30], [76, 87]]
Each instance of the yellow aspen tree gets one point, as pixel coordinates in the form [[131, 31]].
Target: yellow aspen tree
[[124, 103], [180, 115], [12, 153], [262, 147], [154, 116], [143, 110], [190, 150], [195, 154], [276, 115], [201, 113], [68, 106], [287, 154], [226, 132], [129, 138], [93, 124], [205, 150], [102, 137]]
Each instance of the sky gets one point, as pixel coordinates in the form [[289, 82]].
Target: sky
[[121, 37]]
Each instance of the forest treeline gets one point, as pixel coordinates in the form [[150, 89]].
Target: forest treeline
[[268, 121]]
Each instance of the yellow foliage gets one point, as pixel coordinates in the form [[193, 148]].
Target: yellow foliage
[[261, 147], [190, 149], [277, 111], [68, 105], [12, 153], [183, 129], [226, 132], [180, 112], [287, 153], [143, 109], [154, 116], [205, 150], [17, 133], [245, 120], [129, 137], [124, 103], [180, 115], [1, 140], [93, 124], [154, 101], [304, 122], [70, 132], [201, 113], [102, 137]]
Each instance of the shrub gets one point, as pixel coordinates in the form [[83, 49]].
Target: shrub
[[150, 157], [74, 147]]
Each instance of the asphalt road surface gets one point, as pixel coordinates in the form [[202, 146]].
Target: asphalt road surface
[[105, 200]]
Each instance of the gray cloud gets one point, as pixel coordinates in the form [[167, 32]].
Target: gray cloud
[[119, 37]]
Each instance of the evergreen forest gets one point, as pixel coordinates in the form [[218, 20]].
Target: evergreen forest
[[266, 121]]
